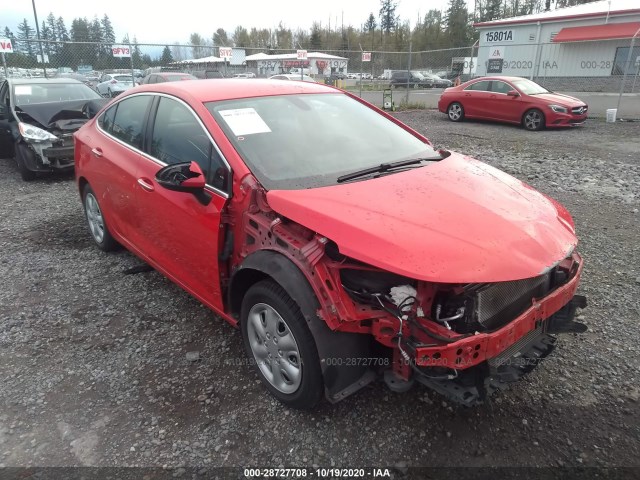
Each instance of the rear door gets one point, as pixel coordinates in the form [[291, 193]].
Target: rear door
[[502, 106], [114, 160], [475, 97], [177, 231]]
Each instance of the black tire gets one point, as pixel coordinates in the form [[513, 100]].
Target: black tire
[[533, 120], [310, 388], [106, 243], [455, 112], [21, 152]]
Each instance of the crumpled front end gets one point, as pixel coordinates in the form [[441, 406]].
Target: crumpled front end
[[464, 341]]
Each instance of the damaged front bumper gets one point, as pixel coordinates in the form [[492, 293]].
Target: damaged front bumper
[[48, 156], [481, 364]]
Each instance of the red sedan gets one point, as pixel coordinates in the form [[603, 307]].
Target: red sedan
[[512, 100], [340, 242]]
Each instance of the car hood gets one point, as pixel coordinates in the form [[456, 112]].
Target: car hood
[[565, 100], [454, 221], [47, 114]]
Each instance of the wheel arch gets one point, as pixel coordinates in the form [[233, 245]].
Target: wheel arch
[[341, 378]]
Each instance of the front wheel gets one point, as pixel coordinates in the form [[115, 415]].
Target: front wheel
[[21, 154], [455, 112], [280, 345], [533, 120]]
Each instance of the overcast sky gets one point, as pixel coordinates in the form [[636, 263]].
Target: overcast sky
[[165, 21]]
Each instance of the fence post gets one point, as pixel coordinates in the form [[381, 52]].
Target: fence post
[[408, 74], [624, 76], [35, 16], [361, 68], [133, 77], [4, 64]]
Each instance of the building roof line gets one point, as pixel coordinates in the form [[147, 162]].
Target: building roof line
[[536, 19]]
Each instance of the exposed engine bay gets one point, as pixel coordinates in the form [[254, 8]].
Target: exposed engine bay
[[465, 341]]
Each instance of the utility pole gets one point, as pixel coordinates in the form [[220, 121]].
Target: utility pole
[[35, 16]]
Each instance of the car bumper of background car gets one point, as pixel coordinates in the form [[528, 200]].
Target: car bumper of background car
[[554, 119]]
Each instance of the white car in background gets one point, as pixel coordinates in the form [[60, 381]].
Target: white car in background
[[288, 76], [113, 84]]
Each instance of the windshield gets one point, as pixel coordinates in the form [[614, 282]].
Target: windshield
[[52, 92], [528, 87], [292, 142], [122, 78]]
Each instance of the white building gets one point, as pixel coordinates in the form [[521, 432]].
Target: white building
[[317, 63], [593, 43]]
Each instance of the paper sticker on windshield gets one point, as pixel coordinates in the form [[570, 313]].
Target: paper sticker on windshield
[[22, 89], [244, 121]]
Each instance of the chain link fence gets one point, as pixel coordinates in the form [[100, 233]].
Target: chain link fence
[[610, 67]]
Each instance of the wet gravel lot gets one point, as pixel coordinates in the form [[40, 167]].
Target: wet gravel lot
[[98, 367]]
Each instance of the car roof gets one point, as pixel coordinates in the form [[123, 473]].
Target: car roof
[[168, 74], [21, 81], [508, 79], [211, 90]]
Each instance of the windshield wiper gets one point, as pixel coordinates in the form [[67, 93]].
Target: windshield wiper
[[387, 167]]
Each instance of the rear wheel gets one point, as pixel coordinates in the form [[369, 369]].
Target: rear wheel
[[22, 153], [95, 220], [281, 346], [533, 119], [455, 112]]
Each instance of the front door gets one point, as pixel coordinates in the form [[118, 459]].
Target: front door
[[504, 107], [7, 123], [474, 98], [177, 231]]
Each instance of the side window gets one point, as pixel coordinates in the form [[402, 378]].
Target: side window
[[479, 86], [153, 79], [128, 123], [178, 137], [500, 87], [106, 119]]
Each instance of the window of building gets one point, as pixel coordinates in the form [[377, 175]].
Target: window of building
[[620, 61]]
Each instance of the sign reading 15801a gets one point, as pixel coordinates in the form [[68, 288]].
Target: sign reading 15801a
[[499, 36]]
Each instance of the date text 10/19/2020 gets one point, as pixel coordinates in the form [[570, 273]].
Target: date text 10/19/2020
[[317, 472]]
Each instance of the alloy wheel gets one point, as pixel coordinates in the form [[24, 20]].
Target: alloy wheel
[[455, 112], [274, 348], [94, 217], [532, 120]]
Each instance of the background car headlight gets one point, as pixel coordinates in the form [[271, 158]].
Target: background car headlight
[[559, 108], [35, 134]]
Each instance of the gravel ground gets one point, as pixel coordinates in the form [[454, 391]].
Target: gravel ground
[[103, 368]]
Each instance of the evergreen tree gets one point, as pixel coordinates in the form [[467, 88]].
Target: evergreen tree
[[53, 35], [240, 37], [108, 34], [220, 38], [136, 55], [167, 57], [96, 34], [25, 43], [388, 16], [458, 25], [315, 39]]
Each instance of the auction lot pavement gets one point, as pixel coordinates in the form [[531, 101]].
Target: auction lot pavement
[[94, 368]]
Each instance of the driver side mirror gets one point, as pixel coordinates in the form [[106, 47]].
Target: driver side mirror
[[513, 93], [184, 177]]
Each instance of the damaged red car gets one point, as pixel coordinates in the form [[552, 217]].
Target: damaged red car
[[342, 243]]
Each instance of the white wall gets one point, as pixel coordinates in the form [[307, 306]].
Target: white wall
[[523, 57]]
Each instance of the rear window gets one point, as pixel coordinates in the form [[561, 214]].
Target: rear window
[[123, 78]]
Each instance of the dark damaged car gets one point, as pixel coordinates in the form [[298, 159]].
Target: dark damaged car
[[38, 118]]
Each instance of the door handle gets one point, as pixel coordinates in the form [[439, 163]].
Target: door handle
[[467, 94], [97, 152], [146, 184]]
